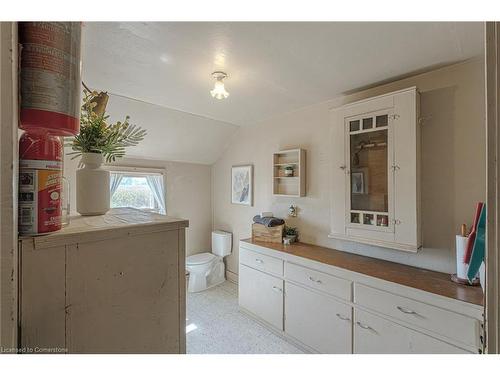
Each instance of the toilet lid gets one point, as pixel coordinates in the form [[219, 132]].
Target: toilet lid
[[202, 258]]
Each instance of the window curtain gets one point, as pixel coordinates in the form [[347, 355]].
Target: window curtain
[[156, 185], [114, 182]]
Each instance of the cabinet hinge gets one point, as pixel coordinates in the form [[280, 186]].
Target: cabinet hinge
[[394, 117], [396, 221], [395, 167]]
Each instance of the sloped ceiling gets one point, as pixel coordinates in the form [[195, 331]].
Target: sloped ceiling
[[273, 68]]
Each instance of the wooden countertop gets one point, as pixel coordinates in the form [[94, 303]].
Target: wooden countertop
[[116, 222], [429, 281]]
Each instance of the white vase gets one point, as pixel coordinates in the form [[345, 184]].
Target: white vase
[[92, 186]]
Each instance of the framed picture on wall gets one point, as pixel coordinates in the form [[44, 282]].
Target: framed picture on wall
[[358, 182], [242, 185]]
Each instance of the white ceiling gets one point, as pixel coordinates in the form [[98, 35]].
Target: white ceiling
[[273, 67]]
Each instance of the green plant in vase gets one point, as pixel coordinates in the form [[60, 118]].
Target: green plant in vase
[[98, 141], [97, 136], [291, 233], [289, 171]]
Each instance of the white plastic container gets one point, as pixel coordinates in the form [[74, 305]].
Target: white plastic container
[[461, 245]]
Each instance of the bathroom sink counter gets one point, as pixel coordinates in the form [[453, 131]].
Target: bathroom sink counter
[[418, 278]]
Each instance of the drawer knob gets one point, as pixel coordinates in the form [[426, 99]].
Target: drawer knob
[[278, 290], [259, 260], [406, 311], [364, 326], [341, 317], [317, 281]]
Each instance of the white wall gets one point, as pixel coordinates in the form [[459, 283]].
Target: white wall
[[453, 166], [172, 134], [188, 192]]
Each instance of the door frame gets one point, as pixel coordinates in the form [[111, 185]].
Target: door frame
[[492, 80], [8, 186]]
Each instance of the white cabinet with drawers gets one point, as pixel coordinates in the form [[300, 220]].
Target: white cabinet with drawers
[[326, 309]]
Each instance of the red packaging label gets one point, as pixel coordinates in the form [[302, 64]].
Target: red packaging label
[[39, 200]]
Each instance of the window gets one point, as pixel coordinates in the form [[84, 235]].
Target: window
[[145, 191]]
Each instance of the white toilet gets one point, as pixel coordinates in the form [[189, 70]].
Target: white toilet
[[207, 269]]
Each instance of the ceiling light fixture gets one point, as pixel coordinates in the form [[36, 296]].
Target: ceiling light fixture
[[219, 91]]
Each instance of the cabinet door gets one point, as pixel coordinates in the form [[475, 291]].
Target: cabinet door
[[42, 297], [407, 169], [318, 321], [369, 155], [262, 295], [339, 170], [123, 295], [375, 335]]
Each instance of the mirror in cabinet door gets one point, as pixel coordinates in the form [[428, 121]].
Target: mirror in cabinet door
[[369, 154]]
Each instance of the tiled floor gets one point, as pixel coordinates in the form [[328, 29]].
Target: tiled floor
[[215, 326]]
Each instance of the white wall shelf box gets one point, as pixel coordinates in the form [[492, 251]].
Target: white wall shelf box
[[289, 186], [375, 186]]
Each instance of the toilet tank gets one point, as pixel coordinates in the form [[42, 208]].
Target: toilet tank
[[221, 243]]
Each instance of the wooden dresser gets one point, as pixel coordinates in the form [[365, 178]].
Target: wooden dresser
[[329, 301], [105, 284]]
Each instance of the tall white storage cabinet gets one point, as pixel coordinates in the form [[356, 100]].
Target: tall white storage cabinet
[[105, 284], [375, 191]]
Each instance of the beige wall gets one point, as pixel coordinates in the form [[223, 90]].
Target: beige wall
[[188, 196], [453, 166]]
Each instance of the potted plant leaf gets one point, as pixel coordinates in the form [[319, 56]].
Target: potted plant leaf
[[291, 234], [98, 141]]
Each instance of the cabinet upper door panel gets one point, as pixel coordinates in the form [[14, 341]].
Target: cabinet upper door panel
[[369, 172]]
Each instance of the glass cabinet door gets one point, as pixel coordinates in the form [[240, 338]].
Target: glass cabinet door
[[369, 182]]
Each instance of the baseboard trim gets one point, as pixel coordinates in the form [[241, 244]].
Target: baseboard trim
[[231, 276]]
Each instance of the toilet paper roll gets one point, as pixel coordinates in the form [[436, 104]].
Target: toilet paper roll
[[461, 245]]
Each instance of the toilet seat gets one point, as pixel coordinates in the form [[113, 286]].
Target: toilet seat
[[199, 259]]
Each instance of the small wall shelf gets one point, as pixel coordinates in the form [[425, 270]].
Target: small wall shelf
[[294, 185]]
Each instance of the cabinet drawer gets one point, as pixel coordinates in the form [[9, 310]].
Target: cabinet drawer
[[319, 280], [449, 324], [261, 262], [375, 335]]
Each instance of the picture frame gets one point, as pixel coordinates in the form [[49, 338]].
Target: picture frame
[[242, 185], [358, 183]]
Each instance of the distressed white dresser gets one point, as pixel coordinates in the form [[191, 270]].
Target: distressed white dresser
[[105, 284]]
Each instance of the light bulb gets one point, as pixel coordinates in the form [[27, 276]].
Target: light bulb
[[219, 91]]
